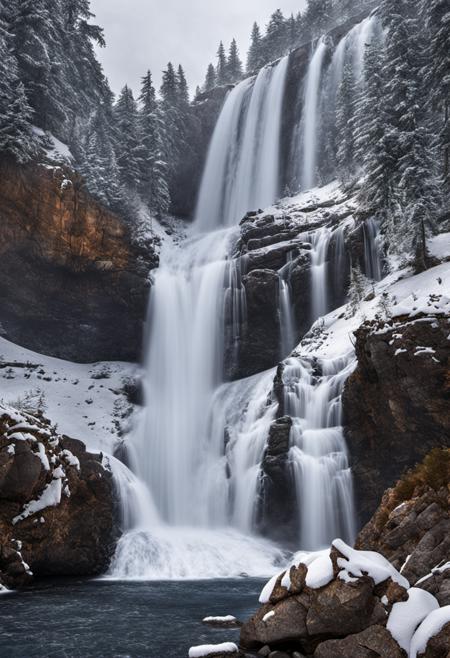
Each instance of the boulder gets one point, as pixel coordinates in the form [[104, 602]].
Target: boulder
[[62, 519], [287, 624], [373, 642], [341, 608]]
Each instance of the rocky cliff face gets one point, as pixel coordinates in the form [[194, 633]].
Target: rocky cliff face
[[57, 503], [396, 403], [72, 282], [411, 527], [276, 246]]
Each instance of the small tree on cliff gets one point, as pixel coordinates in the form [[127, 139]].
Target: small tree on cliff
[[357, 290]]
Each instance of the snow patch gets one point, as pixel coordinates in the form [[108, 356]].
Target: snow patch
[[207, 649], [431, 626], [407, 615], [50, 497]]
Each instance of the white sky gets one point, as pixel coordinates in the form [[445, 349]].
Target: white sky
[[142, 34]]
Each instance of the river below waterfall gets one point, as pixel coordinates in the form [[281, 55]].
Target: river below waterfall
[[110, 619]]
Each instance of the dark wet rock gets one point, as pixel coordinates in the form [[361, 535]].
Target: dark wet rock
[[287, 624], [373, 642], [341, 608], [395, 403], [278, 500], [260, 345]]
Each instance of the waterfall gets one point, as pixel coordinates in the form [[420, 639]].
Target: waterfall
[[198, 447], [373, 267], [318, 451], [242, 167], [320, 241], [311, 115], [287, 320], [359, 37]]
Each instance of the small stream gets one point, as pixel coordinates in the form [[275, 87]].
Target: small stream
[[110, 619]]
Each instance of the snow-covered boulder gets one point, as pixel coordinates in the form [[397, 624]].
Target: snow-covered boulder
[[57, 502]]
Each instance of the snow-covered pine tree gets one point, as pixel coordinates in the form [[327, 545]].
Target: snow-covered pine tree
[[292, 34], [36, 47], [210, 79], [318, 16], [437, 20], [276, 39], [357, 290], [16, 135], [414, 175], [221, 68], [127, 147], [345, 115], [255, 56], [234, 64], [182, 89], [373, 145]]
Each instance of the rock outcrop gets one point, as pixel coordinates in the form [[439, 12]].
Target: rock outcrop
[[326, 607], [344, 603], [396, 403], [73, 283], [412, 526], [57, 503]]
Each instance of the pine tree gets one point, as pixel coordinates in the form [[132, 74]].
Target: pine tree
[[154, 170], [210, 79], [255, 57], [437, 18], [345, 116], [318, 16], [128, 147], [413, 177], [373, 143], [292, 34], [357, 290], [221, 69], [16, 135], [275, 41], [182, 89], [234, 64]]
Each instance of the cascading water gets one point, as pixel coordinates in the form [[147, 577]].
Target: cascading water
[[312, 397], [320, 241], [311, 116], [201, 443], [242, 168], [197, 478], [287, 320], [373, 265]]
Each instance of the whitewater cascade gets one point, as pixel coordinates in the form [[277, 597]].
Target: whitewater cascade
[[323, 482], [311, 116], [199, 476], [200, 443]]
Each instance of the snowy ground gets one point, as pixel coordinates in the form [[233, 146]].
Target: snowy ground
[[86, 401]]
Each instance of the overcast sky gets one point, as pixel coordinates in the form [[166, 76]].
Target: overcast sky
[[142, 34]]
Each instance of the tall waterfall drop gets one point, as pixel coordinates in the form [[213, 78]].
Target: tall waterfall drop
[[179, 450], [199, 452], [311, 116]]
